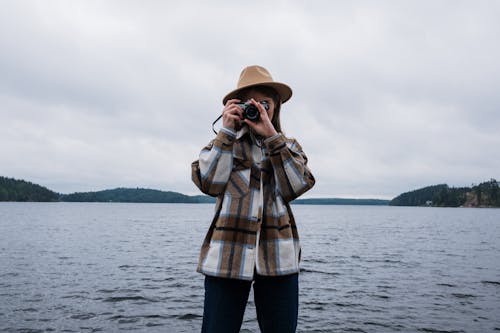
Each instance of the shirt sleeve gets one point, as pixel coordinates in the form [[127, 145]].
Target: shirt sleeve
[[289, 162], [212, 170]]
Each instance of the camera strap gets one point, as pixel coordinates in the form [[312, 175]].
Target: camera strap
[[213, 124]]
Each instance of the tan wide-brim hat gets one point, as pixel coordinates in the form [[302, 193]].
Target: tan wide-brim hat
[[253, 76]]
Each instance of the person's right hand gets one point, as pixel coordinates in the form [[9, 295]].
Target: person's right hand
[[232, 114]]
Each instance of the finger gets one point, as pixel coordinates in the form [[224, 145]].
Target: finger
[[239, 110], [232, 101], [234, 110], [232, 123], [232, 118], [260, 107], [231, 107], [249, 122]]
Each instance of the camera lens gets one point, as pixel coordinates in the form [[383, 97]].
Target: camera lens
[[251, 112]]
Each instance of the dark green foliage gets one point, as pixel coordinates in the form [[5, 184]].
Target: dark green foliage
[[488, 193], [156, 196], [484, 194], [134, 195], [19, 190], [202, 199], [450, 197], [419, 197]]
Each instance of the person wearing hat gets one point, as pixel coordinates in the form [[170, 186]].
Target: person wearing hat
[[255, 171]]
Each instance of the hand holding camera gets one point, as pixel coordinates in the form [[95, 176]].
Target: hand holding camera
[[250, 111], [254, 114], [232, 114], [262, 125]]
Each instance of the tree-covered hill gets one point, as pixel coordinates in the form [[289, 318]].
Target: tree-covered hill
[[19, 190], [341, 201], [134, 195], [486, 194]]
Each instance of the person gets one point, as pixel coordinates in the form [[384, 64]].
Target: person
[[255, 172]]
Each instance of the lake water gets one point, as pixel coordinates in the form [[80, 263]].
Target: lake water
[[109, 267]]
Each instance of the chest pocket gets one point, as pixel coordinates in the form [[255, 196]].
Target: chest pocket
[[245, 175], [239, 183]]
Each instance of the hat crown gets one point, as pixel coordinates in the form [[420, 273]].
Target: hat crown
[[252, 75]]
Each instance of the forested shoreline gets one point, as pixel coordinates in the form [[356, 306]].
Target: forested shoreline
[[486, 194], [20, 190]]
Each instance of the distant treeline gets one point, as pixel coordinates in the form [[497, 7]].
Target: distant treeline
[[341, 201], [135, 195], [19, 190], [486, 194]]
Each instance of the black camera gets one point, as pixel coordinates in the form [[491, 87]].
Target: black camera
[[250, 111]]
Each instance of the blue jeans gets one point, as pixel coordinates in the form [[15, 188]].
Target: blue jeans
[[276, 302]]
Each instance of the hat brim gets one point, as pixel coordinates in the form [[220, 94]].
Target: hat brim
[[284, 91]]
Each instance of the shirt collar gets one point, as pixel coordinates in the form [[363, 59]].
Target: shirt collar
[[242, 132]]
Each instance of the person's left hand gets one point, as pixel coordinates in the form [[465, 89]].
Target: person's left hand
[[263, 127]]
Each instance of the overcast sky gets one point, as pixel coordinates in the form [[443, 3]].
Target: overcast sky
[[389, 96]]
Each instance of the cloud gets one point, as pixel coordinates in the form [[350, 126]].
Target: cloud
[[387, 96]]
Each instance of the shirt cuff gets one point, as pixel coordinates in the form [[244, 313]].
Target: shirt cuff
[[274, 143], [225, 139], [229, 131]]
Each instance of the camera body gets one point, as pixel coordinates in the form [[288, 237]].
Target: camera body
[[250, 111]]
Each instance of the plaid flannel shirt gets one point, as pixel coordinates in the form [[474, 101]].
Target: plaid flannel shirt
[[253, 229]]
